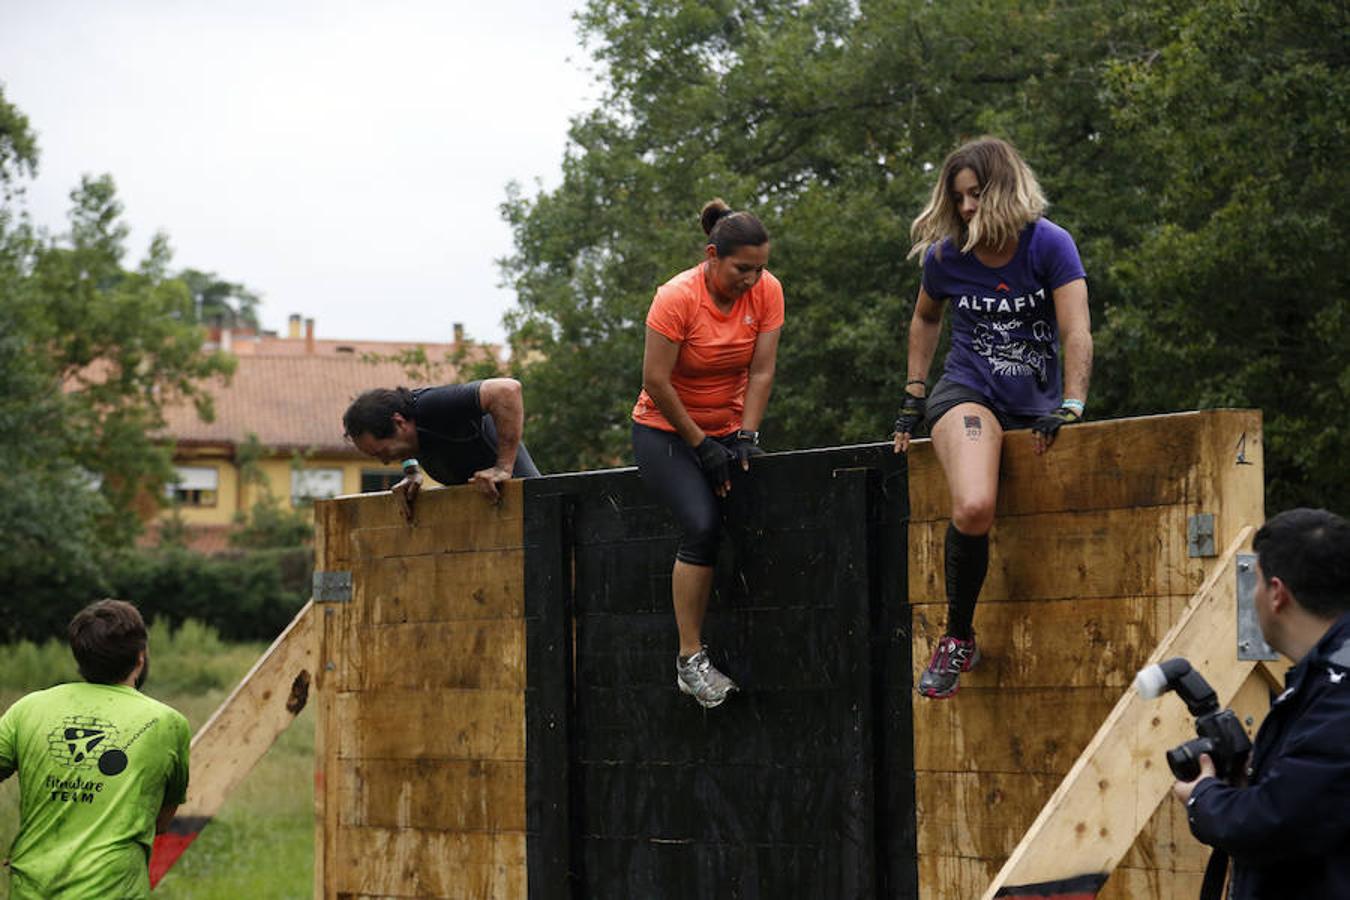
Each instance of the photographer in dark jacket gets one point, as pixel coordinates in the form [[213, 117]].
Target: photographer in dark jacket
[[1287, 830]]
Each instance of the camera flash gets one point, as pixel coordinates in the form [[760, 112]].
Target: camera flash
[[1151, 682]]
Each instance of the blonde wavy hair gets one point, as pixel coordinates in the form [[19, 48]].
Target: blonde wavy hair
[[1010, 199]]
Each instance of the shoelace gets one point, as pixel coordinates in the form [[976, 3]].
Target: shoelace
[[952, 656]]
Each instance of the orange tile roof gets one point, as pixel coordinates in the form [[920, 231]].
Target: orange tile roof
[[289, 402]]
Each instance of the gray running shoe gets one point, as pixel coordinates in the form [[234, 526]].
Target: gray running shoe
[[699, 678], [951, 657]]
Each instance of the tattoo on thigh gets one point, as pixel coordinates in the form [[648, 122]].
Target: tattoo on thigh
[[973, 427]]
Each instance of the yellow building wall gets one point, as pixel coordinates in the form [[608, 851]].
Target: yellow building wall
[[234, 495]]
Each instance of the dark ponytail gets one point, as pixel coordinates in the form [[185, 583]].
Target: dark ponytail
[[727, 230]]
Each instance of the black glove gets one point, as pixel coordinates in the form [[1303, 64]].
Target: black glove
[[746, 446], [1048, 426], [911, 414], [715, 461]]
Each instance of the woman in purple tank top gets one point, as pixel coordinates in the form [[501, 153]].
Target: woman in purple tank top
[[1021, 356]]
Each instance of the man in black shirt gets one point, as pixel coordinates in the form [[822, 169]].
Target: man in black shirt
[[457, 434], [1287, 828]]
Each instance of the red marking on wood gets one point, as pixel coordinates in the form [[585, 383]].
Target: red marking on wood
[[167, 848]]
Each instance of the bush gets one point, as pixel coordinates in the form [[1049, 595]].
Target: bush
[[243, 595]]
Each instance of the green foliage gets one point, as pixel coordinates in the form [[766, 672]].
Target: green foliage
[[246, 595], [466, 362], [268, 523], [1237, 290], [218, 302], [1195, 150]]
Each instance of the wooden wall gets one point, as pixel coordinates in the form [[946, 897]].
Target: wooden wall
[[420, 753], [1088, 570], [421, 756]]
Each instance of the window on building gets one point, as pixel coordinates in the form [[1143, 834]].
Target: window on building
[[374, 480], [194, 485], [315, 484]]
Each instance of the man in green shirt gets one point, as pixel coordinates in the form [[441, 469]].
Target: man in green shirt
[[101, 767]]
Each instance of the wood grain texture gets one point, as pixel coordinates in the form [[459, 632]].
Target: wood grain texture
[[1089, 570], [436, 794], [420, 779], [444, 865], [1115, 786]]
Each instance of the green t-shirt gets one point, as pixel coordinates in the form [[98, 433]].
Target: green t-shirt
[[96, 762]]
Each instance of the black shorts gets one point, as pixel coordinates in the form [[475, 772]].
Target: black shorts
[[948, 394]]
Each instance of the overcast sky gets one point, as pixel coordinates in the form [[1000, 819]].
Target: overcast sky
[[346, 160]]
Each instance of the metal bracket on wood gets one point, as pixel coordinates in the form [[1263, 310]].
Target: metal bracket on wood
[[1251, 644], [1200, 535], [332, 587]]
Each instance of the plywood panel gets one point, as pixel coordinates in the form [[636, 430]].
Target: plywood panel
[[1059, 643], [435, 656], [447, 724], [948, 876], [495, 533], [442, 587], [437, 794], [1139, 551], [402, 862], [983, 815], [1097, 465], [1032, 730]]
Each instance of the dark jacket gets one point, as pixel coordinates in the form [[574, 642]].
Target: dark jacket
[[1288, 832]]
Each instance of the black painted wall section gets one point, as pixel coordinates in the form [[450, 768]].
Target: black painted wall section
[[802, 785]]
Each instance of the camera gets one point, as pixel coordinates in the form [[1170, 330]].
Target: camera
[[1221, 735]]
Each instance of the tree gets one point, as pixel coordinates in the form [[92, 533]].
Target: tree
[[1144, 122], [90, 352], [220, 303], [1236, 292], [824, 118], [124, 343]]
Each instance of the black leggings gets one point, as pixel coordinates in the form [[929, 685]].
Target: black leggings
[[670, 469]]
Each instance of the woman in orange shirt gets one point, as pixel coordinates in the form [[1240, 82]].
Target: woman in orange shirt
[[707, 371]]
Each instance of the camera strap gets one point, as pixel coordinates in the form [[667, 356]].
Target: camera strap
[[1211, 888]]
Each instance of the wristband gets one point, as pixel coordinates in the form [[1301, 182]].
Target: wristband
[[916, 381], [1075, 405], [410, 464]]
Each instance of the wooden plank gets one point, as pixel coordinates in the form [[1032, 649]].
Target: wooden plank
[[1229, 478], [1118, 781], [434, 794], [476, 534], [983, 815], [1100, 553], [951, 877], [1143, 461], [434, 505], [331, 548], [1096, 642], [1027, 730], [442, 587], [241, 730], [447, 724], [401, 862], [433, 656]]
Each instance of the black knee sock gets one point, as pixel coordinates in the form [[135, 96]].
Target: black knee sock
[[967, 561]]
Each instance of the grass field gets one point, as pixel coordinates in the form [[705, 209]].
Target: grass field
[[261, 845]]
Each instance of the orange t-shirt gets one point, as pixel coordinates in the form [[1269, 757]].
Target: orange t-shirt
[[713, 367]]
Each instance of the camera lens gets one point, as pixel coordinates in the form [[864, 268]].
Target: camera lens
[[1184, 761]]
